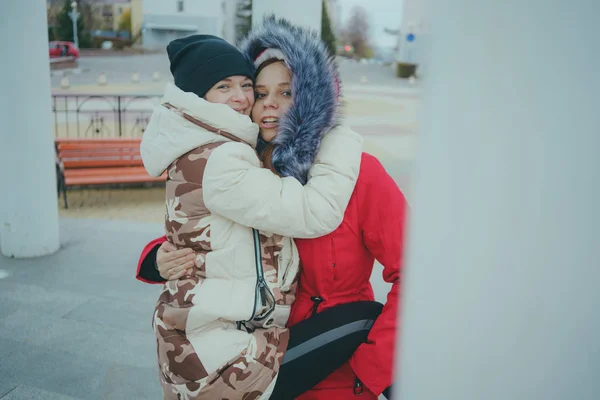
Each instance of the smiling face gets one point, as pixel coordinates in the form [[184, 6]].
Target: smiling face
[[273, 98], [236, 91]]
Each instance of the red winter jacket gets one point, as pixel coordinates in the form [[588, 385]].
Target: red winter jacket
[[337, 267]]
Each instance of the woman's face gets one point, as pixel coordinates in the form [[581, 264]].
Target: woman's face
[[236, 91], [273, 98]]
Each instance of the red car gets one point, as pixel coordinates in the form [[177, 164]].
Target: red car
[[63, 49]]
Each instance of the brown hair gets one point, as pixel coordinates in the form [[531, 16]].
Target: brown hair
[[266, 157], [266, 64]]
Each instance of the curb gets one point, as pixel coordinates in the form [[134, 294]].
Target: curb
[[68, 71]]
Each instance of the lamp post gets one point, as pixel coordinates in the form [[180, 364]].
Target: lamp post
[[74, 14]]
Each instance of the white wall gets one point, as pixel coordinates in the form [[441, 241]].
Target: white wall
[[501, 289], [197, 17], [159, 7], [191, 7], [304, 13]]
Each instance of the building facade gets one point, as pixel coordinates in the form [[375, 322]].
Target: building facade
[[136, 17], [108, 13], [165, 20], [104, 15]]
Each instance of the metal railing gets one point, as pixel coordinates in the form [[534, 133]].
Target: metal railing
[[102, 116]]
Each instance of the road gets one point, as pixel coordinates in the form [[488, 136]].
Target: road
[[119, 70]]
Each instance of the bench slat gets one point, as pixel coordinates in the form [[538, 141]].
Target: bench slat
[[102, 180], [103, 161], [94, 146], [84, 141], [93, 164], [106, 171]]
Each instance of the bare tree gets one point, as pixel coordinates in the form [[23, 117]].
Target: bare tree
[[357, 31]]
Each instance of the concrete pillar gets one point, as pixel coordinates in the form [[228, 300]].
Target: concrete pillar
[[304, 13], [501, 291], [29, 211]]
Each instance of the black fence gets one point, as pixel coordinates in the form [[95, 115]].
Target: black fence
[[102, 116]]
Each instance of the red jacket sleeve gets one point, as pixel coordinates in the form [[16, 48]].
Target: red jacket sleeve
[[146, 270], [382, 212]]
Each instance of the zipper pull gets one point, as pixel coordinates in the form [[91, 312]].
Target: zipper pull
[[317, 300], [358, 387], [263, 293]]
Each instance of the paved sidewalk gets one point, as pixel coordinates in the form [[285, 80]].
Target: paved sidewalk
[[77, 325]]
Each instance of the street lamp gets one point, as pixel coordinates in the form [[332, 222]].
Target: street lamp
[[74, 14]]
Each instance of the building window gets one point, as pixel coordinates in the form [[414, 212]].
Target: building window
[[180, 6], [107, 11]]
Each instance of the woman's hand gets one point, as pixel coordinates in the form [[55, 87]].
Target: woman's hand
[[172, 263]]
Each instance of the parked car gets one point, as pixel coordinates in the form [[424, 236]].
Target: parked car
[[63, 49]]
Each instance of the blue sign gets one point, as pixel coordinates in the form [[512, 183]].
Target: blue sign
[[410, 37]]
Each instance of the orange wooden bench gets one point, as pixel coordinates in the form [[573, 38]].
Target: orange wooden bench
[[99, 162]]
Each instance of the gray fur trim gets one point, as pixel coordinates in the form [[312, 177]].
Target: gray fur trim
[[315, 92]]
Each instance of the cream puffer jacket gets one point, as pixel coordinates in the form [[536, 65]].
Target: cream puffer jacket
[[217, 192]]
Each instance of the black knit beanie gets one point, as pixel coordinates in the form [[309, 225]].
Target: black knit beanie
[[198, 62]]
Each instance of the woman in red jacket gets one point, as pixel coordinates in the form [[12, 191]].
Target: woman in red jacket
[[336, 268]]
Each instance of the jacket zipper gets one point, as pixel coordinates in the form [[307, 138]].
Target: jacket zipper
[[334, 259], [258, 266], [262, 288]]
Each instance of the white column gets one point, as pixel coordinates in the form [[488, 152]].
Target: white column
[[502, 286], [305, 13], [29, 214]]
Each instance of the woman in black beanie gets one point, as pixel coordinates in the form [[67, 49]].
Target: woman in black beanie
[[220, 330], [212, 69]]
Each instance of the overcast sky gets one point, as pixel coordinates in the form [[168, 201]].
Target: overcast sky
[[382, 13]]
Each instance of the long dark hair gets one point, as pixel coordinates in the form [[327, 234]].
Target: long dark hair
[[266, 156]]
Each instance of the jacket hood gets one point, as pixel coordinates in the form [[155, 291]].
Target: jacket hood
[[315, 92], [169, 135]]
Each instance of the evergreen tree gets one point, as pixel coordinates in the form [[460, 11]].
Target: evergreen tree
[[327, 32], [64, 27]]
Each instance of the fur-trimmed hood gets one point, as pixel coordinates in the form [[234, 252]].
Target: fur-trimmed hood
[[315, 92]]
